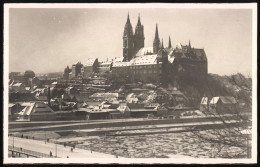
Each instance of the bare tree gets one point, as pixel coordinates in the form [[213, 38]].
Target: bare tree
[[230, 135]]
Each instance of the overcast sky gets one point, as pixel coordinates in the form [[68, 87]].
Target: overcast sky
[[47, 40]]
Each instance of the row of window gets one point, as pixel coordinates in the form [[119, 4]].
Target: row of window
[[146, 66]]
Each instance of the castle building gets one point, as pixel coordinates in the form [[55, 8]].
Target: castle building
[[149, 64]]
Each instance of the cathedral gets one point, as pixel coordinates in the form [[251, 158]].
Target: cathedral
[[157, 63]]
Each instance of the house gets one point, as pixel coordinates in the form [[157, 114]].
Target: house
[[13, 110], [18, 87], [224, 105], [72, 90], [163, 111], [36, 111], [204, 104], [219, 105]]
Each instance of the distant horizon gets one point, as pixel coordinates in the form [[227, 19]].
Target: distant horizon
[[41, 37]]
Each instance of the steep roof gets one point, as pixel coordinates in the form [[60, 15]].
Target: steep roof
[[224, 99], [228, 99], [144, 60], [204, 100]]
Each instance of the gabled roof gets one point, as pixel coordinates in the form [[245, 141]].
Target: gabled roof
[[224, 99], [123, 108], [36, 107], [204, 100]]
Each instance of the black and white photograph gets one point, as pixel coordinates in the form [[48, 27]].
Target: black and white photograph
[[130, 83]]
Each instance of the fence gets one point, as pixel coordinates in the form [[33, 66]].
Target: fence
[[28, 152]]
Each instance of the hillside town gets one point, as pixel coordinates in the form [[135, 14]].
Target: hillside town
[[144, 91]]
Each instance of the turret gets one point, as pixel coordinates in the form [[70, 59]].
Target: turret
[[156, 41], [139, 36], [169, 44], [162, 47]]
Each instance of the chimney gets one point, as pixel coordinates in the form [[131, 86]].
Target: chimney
[[49, 96]]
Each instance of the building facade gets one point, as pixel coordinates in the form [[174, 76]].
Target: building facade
[[149, 64]]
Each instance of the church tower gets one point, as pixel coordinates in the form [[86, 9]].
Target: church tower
[[128, 41], [139, 36], [156, 41], [170, 43]]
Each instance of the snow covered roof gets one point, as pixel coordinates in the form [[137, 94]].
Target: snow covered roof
[[224, 99], [11, 105], [171, 57], [54, 83], [17, 84], [179, 46], [118, 59], [106, 63], [144, 50], [144, 60], [108, 95], [90, 62], [36, 107], [204, 100]]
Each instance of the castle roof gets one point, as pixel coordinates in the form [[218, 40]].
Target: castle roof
[[144, 60], [118, 59]]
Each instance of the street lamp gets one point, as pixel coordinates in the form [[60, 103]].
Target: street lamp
[[13, 140]]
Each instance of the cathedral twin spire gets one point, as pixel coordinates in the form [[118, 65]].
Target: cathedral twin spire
[[132, 42]]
